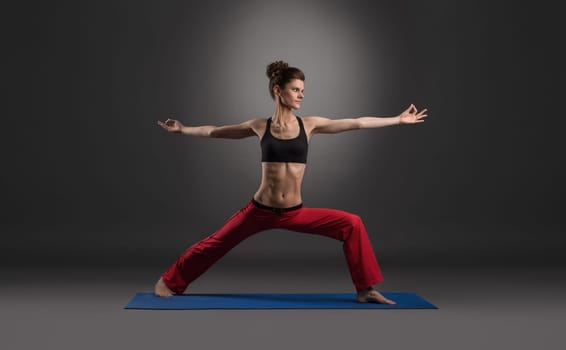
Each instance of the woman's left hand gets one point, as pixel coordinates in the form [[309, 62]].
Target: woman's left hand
[[411, 116]]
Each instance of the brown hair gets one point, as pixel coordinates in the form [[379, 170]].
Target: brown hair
[[279, 73]]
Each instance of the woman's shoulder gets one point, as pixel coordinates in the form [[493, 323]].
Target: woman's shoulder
[[254, 121], [312, 120], [259, 121], [257, 125]]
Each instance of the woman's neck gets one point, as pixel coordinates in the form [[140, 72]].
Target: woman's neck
[[283, 115]]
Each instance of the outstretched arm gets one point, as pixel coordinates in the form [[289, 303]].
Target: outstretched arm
[[238, 131], [330, 126]]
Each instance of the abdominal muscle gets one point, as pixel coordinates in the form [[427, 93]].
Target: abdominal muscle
[[280, 184]]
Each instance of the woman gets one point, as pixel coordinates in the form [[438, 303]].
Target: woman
[[284, 140]]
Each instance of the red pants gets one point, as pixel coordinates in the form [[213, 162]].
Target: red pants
[[251, 219]]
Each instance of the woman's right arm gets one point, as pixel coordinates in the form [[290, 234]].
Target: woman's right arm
[[238, 131]]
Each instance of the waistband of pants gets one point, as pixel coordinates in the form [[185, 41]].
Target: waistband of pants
[[276, 210]]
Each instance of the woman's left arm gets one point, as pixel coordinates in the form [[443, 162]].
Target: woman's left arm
[[332, 126]]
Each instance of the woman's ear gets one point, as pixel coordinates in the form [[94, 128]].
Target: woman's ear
[[276, 90]]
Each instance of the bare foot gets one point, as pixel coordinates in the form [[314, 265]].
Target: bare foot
[[161, 289], [373, 296]]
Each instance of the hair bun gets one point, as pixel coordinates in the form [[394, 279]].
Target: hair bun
[[275, 68], [279, 73]]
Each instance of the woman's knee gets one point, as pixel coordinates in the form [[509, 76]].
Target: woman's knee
[[353, 220]]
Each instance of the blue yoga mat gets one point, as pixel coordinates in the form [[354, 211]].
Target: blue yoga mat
[[272, 301]]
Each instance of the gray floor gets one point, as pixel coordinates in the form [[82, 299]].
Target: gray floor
[[479, 308]]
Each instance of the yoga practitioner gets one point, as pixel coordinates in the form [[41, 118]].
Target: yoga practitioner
[[277, 204]]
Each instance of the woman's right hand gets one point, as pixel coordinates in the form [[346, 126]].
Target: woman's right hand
[[171, 125]]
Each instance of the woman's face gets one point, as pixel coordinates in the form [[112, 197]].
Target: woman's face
[[293, 93]]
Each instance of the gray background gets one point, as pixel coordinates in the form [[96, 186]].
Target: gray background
[[88, 172], [93, 189]]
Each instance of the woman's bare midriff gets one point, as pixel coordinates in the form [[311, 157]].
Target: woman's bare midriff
[[280, 184]]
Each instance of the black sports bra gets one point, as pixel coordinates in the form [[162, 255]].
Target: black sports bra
[[284, 150]]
